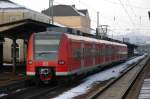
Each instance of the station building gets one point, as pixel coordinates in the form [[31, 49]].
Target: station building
[[69, 16], [143, 49]]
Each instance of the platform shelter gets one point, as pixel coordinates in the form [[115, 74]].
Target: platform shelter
[[21, 29]]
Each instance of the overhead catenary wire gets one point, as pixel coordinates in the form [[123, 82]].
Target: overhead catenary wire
[[119, 25], [131, 7], [126, 12], [95, 11], [105, 17], [134, 6]]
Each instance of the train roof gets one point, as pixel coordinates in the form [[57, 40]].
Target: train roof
[[88, 39], [78, 35]]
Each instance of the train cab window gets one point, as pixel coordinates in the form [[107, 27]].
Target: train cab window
[[46, 45]]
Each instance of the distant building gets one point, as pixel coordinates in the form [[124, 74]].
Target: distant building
[[127, 40], [9, 12], [71, 17], [144, 48]]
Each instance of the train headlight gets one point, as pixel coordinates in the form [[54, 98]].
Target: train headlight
[[61, 62], [30, 62]]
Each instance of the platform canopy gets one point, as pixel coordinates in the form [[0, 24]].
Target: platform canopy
[[22, 28]]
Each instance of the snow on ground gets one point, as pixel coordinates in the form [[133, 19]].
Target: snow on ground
[[18, 90], [102, 76], [3, 94], [7, 64]]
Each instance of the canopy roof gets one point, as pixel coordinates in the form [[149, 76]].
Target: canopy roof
[[22, 28], [6, 4]]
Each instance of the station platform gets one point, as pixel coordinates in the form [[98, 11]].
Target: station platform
[[7, 78], [141, 87]]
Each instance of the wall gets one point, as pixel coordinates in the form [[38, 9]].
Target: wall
[[78, 22]]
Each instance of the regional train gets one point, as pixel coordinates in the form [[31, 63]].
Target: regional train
[[56, 53]]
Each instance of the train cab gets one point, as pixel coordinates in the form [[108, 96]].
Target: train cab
[[43, 55]]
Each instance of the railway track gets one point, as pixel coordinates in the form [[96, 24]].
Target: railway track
[[11, 87], [30, 92], [19, 90], [119, 87], [38, 92], [33, 91], [140, 89]]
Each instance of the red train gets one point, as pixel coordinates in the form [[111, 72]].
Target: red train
[[59, 54]]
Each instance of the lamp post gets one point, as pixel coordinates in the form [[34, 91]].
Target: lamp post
[[51, 10]]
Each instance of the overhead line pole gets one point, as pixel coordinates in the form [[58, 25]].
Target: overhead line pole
[[97, 19], [51, 11], [97, 28], [126, 12]]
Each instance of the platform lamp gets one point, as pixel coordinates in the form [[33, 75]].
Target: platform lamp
[[51, 10]]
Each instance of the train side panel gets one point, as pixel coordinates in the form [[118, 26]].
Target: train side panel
[[29, 62], [62, 65]]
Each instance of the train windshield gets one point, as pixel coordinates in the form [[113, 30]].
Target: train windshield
[[46, 45]]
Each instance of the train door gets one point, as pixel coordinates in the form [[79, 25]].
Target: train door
[[109, 53], [104, 53], [1, 55], [97, 54], [82, 54], [93, 53]]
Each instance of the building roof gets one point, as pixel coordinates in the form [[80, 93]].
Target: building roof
[[84, 11], [6, 4], [64, 10]]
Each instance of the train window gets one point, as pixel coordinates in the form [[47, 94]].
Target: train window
[[102, 52], [110, 51], [99, 52], [77, 53], [43, 47], [105, 51], [94, 52], [46, 46], [86, 52], [89, 52]]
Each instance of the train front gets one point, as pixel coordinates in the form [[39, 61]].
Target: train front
[[42, 55]]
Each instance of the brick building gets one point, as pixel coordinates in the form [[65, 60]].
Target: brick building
[[71, 17]]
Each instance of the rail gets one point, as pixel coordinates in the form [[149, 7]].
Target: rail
[[142, 63]]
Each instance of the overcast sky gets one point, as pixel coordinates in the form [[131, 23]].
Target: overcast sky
[[122, 16]]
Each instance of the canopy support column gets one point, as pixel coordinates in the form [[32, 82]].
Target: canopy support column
[[14, 55], [1, 51]]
